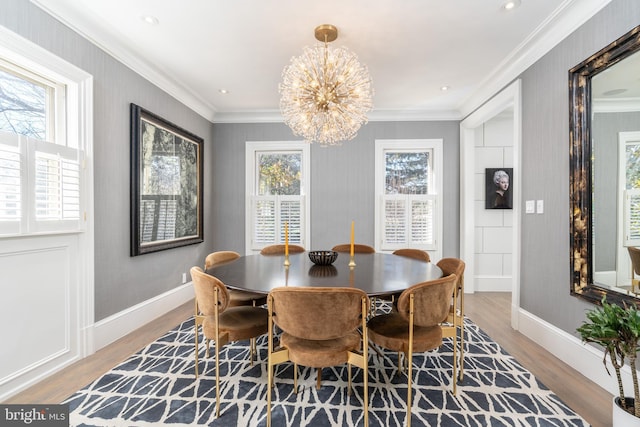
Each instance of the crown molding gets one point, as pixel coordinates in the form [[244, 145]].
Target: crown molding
[[566, 19], [123, 54], [616, 105], [274, 116]]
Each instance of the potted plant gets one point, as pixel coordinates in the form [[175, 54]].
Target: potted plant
[[617, 330]]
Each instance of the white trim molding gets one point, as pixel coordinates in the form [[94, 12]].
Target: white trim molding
[[584, 358], [120, 324]]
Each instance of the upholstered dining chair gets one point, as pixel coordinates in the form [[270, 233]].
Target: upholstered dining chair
[[280, 249], [454, 325], [236, 297], [221, 323], [418, 254], [319, 328], [416, 326], [357, 248], [634, 253]]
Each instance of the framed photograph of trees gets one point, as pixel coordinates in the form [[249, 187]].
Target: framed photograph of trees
[[166, 184]]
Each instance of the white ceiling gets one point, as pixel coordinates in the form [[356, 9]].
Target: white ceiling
[[411, 47]]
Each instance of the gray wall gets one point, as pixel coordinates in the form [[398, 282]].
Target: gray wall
[[120, 281], [342, 181], [545, 269]]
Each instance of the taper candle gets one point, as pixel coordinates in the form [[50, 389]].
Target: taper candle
[[352, 236], [286, 239]]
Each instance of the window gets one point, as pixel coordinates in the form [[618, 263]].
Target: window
[[277, 183], [408, 190], [40, 168], [630, 174]]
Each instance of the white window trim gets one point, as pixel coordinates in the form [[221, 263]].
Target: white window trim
[[79, 115], [251, 148], [436, 189]]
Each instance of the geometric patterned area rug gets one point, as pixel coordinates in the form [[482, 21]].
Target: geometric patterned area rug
[[157, 386]]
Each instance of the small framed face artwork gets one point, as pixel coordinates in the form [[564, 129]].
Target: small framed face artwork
[[498, 183]]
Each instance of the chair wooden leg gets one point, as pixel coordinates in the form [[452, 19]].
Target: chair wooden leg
[[349, 375], [196, 342], [270, 385], [454, 374], [252, 349], [295, 378], [217, 382], [319, 380], [410, 360], [461, 371]]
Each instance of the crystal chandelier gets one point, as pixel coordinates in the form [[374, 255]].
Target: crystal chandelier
[[325, 94]]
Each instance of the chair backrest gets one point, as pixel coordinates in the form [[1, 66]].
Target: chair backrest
[[431, 301], [634, 253], [418, 254], [220, 257], [357, 248], [317, 313], [453, 266], [204, 286], [279, 250]]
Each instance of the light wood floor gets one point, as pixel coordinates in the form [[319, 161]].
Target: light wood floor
[[490, 311]]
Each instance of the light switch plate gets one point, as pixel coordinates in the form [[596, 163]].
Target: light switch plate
[[530, 206], [540, 206]]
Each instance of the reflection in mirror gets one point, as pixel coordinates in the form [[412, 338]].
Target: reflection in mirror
[[605, 170], [615, 94]]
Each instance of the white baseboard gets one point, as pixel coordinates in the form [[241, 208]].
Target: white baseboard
[[584, 358], [493, 283], [120, 324]]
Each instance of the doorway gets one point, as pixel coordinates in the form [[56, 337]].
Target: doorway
[[508, 100]]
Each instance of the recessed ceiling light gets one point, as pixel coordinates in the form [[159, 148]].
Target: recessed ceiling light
[[510, 4], [444, 88], [149, 19], [223, 91], [614, 92]]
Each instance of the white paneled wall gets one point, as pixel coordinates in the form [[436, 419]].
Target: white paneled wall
[[493, 227]]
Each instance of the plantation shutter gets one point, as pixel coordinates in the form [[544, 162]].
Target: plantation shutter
[[270, 215], [39, 186], [11, 200], [632, 217], [408, 220]]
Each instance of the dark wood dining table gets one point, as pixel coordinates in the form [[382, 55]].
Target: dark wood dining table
[[377, 274]]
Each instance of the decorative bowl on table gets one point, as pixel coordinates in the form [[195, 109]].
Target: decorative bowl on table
[[323, 257]]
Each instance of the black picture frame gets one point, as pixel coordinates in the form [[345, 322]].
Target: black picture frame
[[166, 184], [496, 197]]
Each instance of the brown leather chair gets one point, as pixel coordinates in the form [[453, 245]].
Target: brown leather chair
[[221, 323], [279, 250], [319, 328], [418, 254], [357, 248], [236, 297], [634, 253], [454, 326], [416, 326]]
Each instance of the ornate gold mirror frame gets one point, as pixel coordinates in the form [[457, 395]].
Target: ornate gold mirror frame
[[580, 154]]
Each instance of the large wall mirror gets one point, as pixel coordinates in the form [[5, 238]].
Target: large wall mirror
[[604, 103]]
